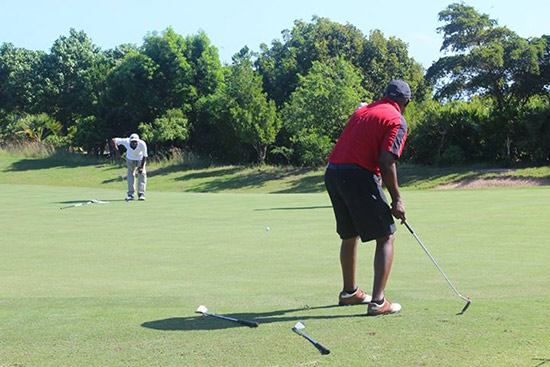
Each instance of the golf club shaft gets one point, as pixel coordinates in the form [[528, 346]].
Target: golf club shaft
[[317, 345], [437, 265], [243, 322], [75, 205], [85, 203]]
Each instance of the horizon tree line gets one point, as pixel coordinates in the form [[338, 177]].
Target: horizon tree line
[[488, 101]]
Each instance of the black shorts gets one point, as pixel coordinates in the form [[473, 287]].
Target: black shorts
[[359, 203]]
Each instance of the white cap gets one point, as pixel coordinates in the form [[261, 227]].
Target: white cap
[[134, 137]]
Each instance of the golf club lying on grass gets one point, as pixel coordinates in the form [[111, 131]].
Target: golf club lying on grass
[[467, 299], [204, 311], [93, 201], [298, 330]]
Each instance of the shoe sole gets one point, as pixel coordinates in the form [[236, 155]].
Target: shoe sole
[[382, 314], [352, 304]]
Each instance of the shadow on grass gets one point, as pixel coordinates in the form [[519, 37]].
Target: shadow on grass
[[178, 168], [212, 323], [242, 181], [83, 201], [209, 173], [39, 164], [115, 179], [56, 160], [237, 178], [412, 175], [308, 184], [542, 361], [296, 208]]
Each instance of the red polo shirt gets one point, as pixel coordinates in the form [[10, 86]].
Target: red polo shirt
[[370, 130]]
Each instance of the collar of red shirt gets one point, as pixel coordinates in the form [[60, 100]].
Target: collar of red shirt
[[392, 102]]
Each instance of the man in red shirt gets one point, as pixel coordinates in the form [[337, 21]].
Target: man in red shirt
[[368, 148]]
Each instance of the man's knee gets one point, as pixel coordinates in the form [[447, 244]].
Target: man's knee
[[350, 242], [385, 240]]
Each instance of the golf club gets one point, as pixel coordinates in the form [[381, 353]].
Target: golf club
[[298, 330], [204, 311], [93, 201], [467, 299]]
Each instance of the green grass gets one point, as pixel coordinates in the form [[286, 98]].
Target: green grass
[[118, 284], [176, 176]]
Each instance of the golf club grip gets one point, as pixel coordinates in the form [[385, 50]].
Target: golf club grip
[[408, 227], [321, 348], [242, 322], [248, 323]]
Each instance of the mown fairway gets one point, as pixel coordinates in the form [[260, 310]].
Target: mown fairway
[[118, 284]]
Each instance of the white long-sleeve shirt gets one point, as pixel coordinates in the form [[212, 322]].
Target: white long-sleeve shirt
[[133, 154]]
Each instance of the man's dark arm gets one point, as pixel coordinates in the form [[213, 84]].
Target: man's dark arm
[[115, 147], [388, 170]]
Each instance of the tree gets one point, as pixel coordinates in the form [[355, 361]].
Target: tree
[[91, 134], [451, 133], [320, 40], [534, 140], [320, 107], [19, 78], [378, 60], [172, 79], [206, 69], [254, 118], [545, 64], [166, 132], [206, 78], [487, 60], [384, 60], [70, 83], [131, 97], [213, 134], [38, 128]]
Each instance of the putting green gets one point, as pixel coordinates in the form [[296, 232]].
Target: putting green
[[117, 284]]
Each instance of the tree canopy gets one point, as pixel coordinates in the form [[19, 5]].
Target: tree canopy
[[486, 99]]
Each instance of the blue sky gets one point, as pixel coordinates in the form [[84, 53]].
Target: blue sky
[[232, 24]]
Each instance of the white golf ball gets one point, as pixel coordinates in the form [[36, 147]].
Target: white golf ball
[[267, 229]]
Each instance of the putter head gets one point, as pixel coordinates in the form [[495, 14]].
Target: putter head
[[299, 325], [468, 303], [202, 309]]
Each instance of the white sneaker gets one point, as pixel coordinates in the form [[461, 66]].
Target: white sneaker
[[141, 197], [386, 308], [356, 298], [129, 197]]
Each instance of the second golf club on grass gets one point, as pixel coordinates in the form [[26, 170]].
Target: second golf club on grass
[[298, 330], [203, 310]]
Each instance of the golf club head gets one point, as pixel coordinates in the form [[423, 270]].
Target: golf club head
[[202, 309], [299, 325], [468, 303], [95, 201]]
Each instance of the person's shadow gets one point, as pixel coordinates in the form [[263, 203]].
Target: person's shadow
[[201, 322]]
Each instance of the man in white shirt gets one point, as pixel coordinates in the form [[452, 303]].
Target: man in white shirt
[[136, 156]]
